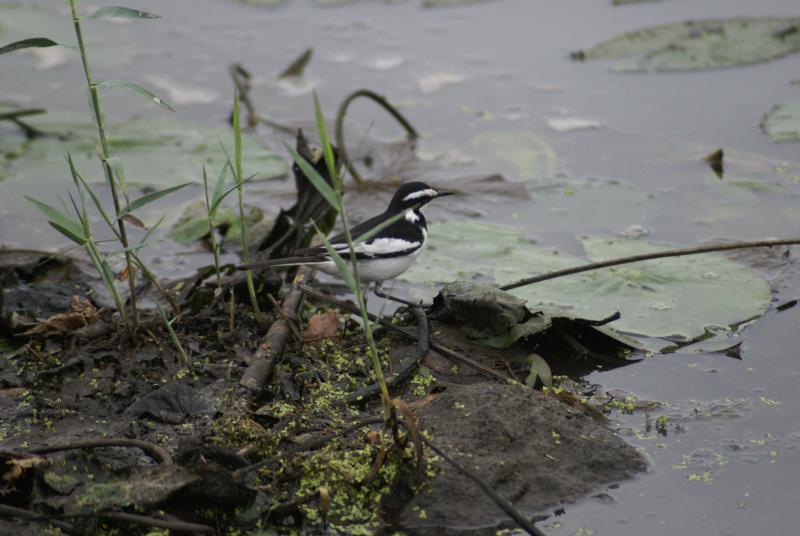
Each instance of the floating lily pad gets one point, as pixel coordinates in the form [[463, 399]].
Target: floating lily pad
[[703, 44], [678, 298], [154, 151], [782, 123], [532, 156]]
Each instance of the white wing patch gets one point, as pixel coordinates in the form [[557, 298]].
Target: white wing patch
[[385, 246], [428, 192]]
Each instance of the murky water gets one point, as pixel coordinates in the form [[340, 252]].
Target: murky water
[[465, 73]]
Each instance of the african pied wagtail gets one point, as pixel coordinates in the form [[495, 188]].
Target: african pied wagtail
[[387, 254]]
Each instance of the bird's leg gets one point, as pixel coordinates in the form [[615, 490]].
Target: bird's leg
[[379, 293]]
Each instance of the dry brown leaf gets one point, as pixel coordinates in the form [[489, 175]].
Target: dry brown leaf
[[81, 313], [321, 326], [15, 467], [12, 392], [133, 220]]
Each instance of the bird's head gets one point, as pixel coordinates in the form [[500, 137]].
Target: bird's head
[[414, 194]]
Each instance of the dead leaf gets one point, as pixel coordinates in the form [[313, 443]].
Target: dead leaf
[[14, 468], [133, 220], [12, 392], [321, 326], [81, 314]]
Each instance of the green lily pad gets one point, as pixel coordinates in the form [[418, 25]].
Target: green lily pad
[[156, 152], [782, 123], [703, 44], [678, 298], [532, 156]]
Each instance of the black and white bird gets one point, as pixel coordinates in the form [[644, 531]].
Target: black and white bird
[[386, 255]]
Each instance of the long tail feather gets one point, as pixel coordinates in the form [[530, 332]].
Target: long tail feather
[[279, 263]]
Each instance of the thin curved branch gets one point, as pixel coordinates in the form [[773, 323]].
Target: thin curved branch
[[156, 452], [340, 115], [498, 499], [649, 256]]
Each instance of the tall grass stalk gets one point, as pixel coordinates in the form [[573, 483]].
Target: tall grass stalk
[[347, 271], [237, 175], [94, 96]]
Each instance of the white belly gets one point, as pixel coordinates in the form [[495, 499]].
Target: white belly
[[375, 269]]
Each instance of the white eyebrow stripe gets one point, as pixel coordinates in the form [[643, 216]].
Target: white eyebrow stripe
[[428, 192]]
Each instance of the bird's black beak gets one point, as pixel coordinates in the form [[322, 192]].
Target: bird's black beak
[[444, 193]]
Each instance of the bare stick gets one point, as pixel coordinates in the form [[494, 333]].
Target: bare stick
[[156, 452], [340, 114], [649, 256], [498, 499], [270, 351], [175, 525]]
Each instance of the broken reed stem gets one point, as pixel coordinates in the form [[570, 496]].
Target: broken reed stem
[[109, 173], [340, 115], [649, 256]]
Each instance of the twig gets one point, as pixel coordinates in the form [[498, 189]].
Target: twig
[[312, 444], [445, 351], [649, 256], [12, 511], [156, 452], [499, 500], [270, 351], [340, 114], [176, 525]]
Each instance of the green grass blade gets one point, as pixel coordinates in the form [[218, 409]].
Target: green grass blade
[[78, 239], [139, 90], [33, 42], [237, 136], [218, 188], [378, 228], [316, 179], [341, 265], [116, 167], [327, 146], [80, 182], [70, 228], [120, 12], [149, 198], [215, 205]]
